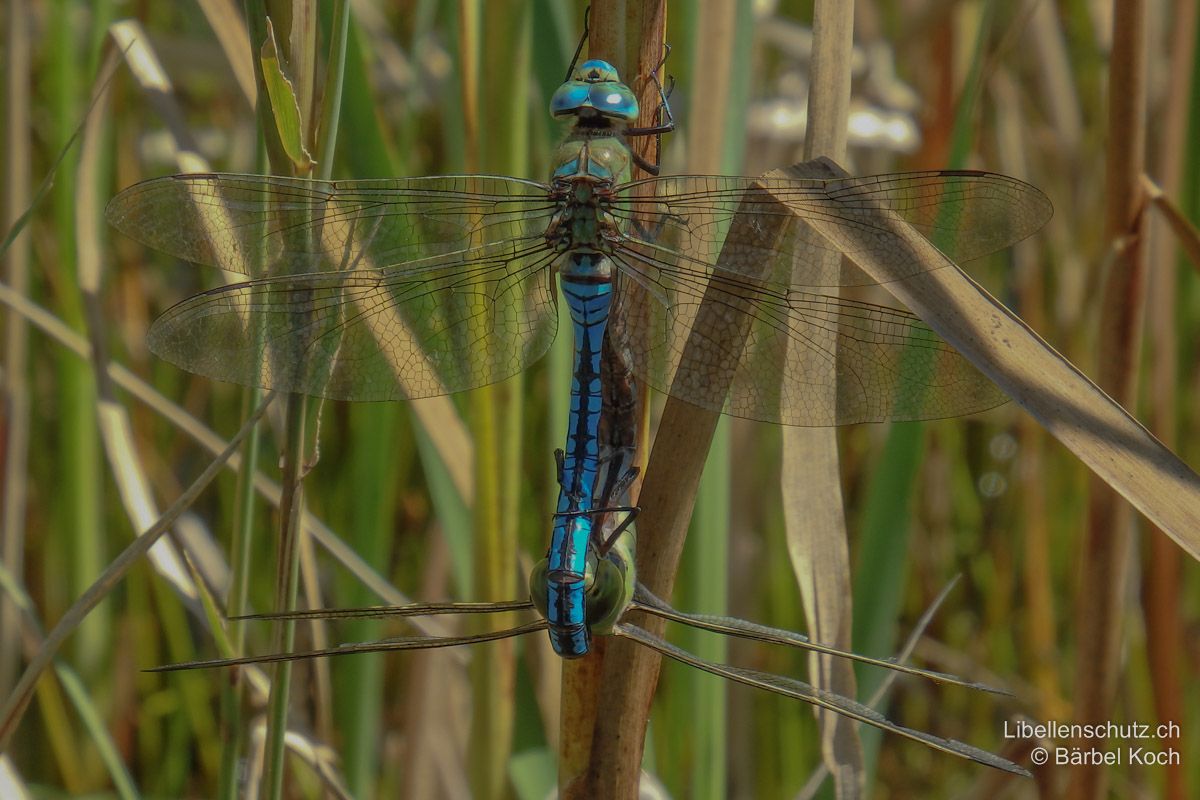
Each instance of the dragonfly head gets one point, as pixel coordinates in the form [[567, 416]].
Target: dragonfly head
[[594, 91]]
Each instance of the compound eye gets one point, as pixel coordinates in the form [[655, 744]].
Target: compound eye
[[539, 586], [608, 595]]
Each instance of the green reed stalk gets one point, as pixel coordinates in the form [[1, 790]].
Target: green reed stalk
[[240, 548], [78, 512], [373, 452], [715, 136], [294, 28], [497, 141]]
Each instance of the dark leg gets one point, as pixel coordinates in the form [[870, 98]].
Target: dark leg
[[607, 544], [587, 12]]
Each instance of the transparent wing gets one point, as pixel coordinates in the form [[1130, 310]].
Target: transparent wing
[[798, 690], [966, 214], [788, 356], [425, 328], [261, 226], [644, 600], [770, 347], [384, 646]]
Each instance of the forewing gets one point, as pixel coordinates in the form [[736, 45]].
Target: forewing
[[965, 214], [426, 328], [757, 350], [263, 226]]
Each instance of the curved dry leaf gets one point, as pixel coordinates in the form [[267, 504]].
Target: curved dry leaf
[[1064, 401]]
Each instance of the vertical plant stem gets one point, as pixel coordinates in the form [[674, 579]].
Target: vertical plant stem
[[291, 508], [331, 99], [78, 436], [294, 27], [1162, 584], [672, 477], [240, 547], [16, 337], [1102, 589], [582, 678]]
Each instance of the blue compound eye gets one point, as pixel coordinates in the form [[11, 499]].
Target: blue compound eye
[[614, 99], [569, 98], [595, 89], [608, 99]]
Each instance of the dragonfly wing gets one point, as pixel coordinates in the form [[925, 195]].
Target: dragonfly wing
[[965, 214], [384, 646], [799, 690], [759, 350], [426, 328], [261, 226]]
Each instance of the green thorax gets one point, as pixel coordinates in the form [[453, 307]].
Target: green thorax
[[591, 163]]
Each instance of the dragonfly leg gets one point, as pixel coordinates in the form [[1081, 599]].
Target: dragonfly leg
[[604, 545], [560, 469], [587, 13], [632, 514], [666, 121], [646, 166], [622, 485]]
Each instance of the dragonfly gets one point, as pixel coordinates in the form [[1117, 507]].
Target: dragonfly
[[613, 595], [392, 289]]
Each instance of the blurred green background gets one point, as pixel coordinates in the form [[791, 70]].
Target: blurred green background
[[990, 498]]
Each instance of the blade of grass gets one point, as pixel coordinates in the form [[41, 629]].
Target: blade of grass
[[270, 490], [18, 701], [74, 688], [226, 21], [78, 516], [496, 38], [811, 476], [1102, 434], [155, 85], [1040, 649]]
